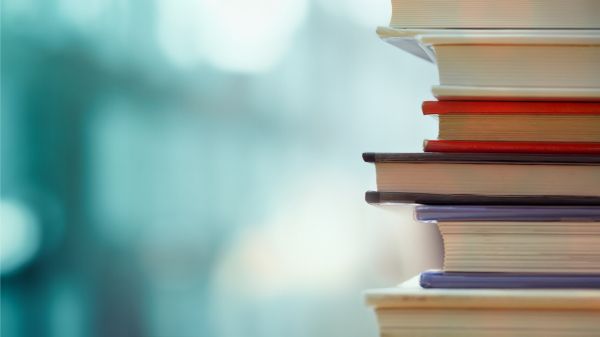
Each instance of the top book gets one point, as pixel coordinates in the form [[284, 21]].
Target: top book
[[563, 14]]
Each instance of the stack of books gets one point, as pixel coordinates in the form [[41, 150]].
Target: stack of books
[[513, 180]]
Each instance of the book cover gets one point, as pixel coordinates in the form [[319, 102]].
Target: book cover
[[375, 197], [505, 107], [462, 146], [428, 213], [453, 280], [488, 158]]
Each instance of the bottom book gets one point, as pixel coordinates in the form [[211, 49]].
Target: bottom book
[[409, 310]]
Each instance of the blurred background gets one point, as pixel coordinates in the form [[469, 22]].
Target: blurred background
[[193, 167]]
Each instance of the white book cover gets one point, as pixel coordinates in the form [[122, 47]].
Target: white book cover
[[507, 64]]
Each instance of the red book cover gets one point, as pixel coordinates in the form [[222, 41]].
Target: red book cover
[[459, 146], [502, 107]]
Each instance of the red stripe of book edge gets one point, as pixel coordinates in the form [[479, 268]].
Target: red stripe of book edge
[[457, 146], [502, 107]]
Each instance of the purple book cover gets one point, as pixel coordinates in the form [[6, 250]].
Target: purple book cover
[[507, 213], [455, 280]]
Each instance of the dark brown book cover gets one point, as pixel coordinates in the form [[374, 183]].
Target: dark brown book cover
[[482, 158]]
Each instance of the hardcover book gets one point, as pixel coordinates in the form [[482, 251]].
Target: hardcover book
[[566, 247], [409, 310], [482, 178], [507, 64], [515, 127], [523, 122]]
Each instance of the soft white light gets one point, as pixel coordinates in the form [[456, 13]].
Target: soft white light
[[234, 35], [19, 237], [180, 28], [368, 13], [312, 241]]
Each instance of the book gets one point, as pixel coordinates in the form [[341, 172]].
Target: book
[[410, 310], [515, 127], [452, 280], [507, 64], [569, 247], [495, 14], [530, 66], [428, 213], [576, 122], [477, 176], [516, 239]]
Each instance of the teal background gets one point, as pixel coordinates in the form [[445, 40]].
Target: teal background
[[193, 168]]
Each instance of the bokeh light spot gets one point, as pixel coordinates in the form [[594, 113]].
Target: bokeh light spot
[[233, 35], [19, 237]]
